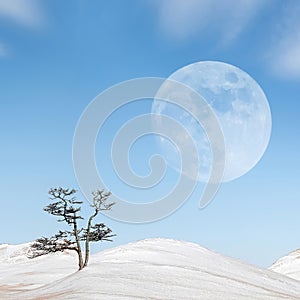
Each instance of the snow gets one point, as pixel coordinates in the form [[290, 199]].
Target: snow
[[148, 269], [18, 272], [288, 265], [14, 253]]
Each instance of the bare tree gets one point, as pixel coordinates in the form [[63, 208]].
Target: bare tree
[[67, 207]]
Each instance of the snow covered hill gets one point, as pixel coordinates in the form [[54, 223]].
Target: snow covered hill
[[148, 269], [14, 253], [288, 265], [18, 272]]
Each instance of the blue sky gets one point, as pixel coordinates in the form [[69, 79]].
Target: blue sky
[[56, 56]]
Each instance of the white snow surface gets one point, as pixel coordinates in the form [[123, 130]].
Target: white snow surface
[[14, 253], [288, 265], [148, 269]]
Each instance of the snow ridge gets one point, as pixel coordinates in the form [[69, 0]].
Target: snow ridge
[[288, 265], [14, 253], [161, 269]]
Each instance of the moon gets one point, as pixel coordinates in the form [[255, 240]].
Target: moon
[[241, 107]]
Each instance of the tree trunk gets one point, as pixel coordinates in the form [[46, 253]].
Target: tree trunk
[[87, 252], [80, 260], [87, 241]]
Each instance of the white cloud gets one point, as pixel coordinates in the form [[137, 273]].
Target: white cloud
[[185, 19], [284, 54], [24, 12], [3, 50]]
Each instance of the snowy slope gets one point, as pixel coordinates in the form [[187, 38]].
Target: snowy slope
[[155, 269], [14, 253], [288, 265], [18, 272]]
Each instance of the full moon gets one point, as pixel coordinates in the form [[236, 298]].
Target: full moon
[[242, 110]]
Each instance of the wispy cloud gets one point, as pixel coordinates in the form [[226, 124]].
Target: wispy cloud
[[3, 50], [284, 53], [185, 19], [24, 12]]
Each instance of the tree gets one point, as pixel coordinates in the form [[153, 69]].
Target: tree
[[67, 207]]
